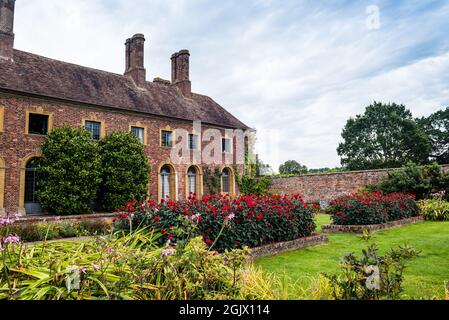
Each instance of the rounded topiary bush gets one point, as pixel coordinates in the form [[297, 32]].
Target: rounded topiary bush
[[69, 172], [125, 170]]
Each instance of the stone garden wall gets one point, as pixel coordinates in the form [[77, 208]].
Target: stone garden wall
[[326, 187]]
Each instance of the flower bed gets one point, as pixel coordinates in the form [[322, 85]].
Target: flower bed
[[222, 222], [373, 208]]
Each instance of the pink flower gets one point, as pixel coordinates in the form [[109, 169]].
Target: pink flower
[[168, 252]]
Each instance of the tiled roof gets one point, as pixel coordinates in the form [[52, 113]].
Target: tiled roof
[[37, 75]]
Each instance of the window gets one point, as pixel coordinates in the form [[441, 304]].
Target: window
[[167, 139], [139, 133], [32, 205], [166, 182], [94, 128], [226, 145], [193, 142], [38, 123], [226, 181], [192, 181]]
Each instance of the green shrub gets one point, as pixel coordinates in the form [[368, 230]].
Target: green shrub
[[125, 170], [421, 181], [373, 276], [435, 209], [68, 172]]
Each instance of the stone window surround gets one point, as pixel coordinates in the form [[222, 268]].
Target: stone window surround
[[173, 180], [139, 124], [173, 137], [38, 110], [199, 181], [231, 182]]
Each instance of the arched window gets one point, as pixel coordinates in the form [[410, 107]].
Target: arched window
[[32, 205], [226, 180], [192, 180], [166, 180]]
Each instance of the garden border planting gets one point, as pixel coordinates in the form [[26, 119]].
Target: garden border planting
[[51, 218], [333, 228], [283, 247]]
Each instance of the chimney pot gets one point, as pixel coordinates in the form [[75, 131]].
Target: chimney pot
[[135, 56], [181, 72], [7, 29]]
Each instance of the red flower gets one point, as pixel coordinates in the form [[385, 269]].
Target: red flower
[[124, 216], [157, 219], [170, 236], [260, 216], [163, 231]]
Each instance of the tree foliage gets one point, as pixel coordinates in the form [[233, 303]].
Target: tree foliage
[[292, 167], [69, 172], [436, 127], [124, 170], [385, 136], [422, 181]]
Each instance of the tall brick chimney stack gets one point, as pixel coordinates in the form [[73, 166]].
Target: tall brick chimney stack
[[135, 55], [181, 72], [7, 29]]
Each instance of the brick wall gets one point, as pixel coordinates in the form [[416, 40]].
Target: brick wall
[[16, 146], [326, 187]]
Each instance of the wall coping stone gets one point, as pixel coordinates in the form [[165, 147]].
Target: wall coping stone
[[283, 247], [332, 228], [343, 173]]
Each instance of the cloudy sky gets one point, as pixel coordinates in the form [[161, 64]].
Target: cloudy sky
[[294, 70]]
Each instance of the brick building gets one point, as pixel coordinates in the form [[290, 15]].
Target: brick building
[[38, 94]]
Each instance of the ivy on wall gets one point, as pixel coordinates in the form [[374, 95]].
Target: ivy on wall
[[212, 179]]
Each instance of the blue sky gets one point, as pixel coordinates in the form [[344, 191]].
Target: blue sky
[[294, 70]]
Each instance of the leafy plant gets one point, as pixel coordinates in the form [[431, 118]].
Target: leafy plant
[[373, 276], [435, 209], [250, 184], [68, 172], [121, 267], [124, 170]]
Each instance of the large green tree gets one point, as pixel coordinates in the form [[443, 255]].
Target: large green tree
[[125, 170], [69, 172], [437, 128], [385, 136], [292, 167]]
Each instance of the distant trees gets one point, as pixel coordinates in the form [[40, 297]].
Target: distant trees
[[436, 126], [385, 136], [292, 167]]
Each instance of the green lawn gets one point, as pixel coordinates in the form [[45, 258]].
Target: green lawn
[[424, 277]]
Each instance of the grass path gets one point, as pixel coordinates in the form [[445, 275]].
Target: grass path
[[424, 277]]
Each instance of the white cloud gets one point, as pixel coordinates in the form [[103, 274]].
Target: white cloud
[[297, 68]]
